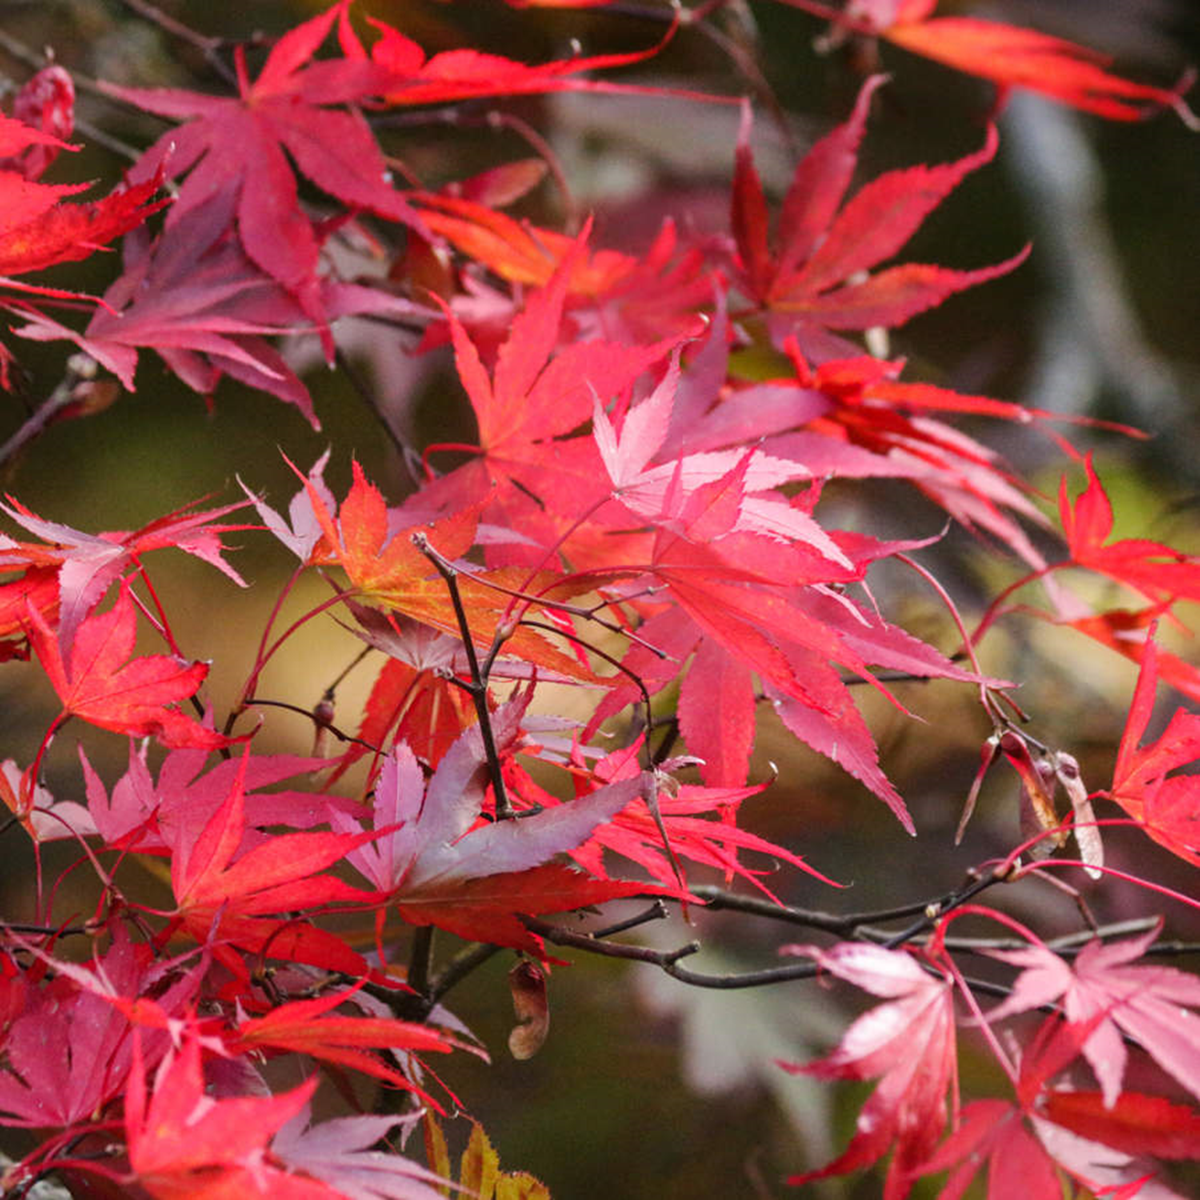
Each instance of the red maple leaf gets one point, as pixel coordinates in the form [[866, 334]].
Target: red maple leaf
[[1157, 571], [104, 686], [306, 1027], [1008, 55], [537, 393], [909, 1042], [462, 74], [1166, 806], [242, 141], [182, 1142], [37, 230], [744, 572], [84, 1012], [233, 899], [823, 247]]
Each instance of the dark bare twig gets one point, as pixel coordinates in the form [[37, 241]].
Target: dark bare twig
[[478, 685], [307, 712], [420, 958]]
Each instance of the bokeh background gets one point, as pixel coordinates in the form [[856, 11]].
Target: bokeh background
[[646, 1088]]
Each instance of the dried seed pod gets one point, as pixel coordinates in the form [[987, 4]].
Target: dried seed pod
[[527, 981]]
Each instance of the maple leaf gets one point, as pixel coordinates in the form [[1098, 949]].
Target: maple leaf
[[242, 140], [152, 815], [1166, 806], [182, 1142], [1007, 55], [1148, 1003], [342, 1153], [908, 1042], [305, 1027], [79, 1013], [1159, 572], [738, 618], [104, 686], [535, 394], [376, 549], [1025, 1145], [37, 230], [824, 246], [462, 74], [195, 297], [87, 564], [233, 898], [479, 1171], [442, 866]]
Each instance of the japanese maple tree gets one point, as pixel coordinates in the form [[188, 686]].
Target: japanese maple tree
[[667, 584]]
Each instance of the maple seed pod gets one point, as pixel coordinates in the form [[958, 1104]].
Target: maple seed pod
[[527, 981]]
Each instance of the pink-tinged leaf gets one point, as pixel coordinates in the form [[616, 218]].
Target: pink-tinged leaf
[[153, 815], [88, 564], [908, 1042], [301, 531], [342, 1153], [440, 839], [1149, 1004], [195, 297]]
